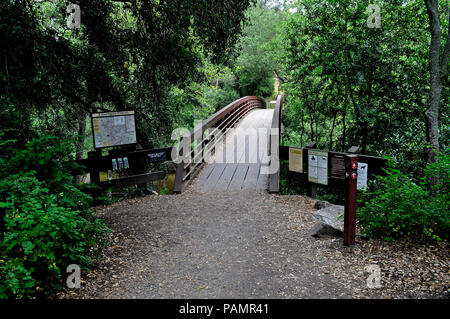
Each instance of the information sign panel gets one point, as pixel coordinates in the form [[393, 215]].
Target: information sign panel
[[296, 160], [363, 169], [337, 170], [318, 167], [113, 129]]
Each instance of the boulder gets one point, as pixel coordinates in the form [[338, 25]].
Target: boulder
[[330, 222], [322, 230], [321, 204]]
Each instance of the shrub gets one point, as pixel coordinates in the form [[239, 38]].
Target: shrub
[[47, 223], [399, 207]]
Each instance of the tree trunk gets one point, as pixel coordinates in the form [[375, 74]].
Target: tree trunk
[[81, 135], [332, 131], [344, 126], [432, 112], [303, 128], [80, 140], [438, 70], [365, 124]]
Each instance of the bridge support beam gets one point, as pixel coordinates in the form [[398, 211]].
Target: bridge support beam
[[179, 176], [274, 147]]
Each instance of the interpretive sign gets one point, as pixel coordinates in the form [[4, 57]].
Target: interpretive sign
[[113, 129], [296, 160], [318, 167], [337, 170], [363, 169], [156, 156]]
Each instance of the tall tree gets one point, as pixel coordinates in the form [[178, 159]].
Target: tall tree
[[438, 66], [125, 55], [356, 85], [255, 65]]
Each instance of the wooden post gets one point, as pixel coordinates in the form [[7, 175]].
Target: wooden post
[[351, 175], [274, 147], [179, 176], [94, 171], [94, 174]]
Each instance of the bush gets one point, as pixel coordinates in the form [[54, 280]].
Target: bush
[[399, 207], [47, 224]]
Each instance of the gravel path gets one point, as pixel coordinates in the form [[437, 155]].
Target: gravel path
[[245, 245], [193, 246]]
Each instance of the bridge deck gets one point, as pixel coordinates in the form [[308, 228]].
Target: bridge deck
[[236, 164]]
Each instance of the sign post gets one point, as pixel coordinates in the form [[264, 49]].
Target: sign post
[[351, 177], [311, 190]]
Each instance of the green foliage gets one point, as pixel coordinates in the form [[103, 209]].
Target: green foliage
[[124, 56], [197, 100], [346, 84], [46, 221], [164, 190], [399, 207], [339, 77], [289, 183], [255, 65], [215, 91]]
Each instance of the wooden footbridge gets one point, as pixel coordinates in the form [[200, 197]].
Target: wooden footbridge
[[232, 149], [238, 149]]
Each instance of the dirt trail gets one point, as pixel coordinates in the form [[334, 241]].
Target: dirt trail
[[241, 245], [249, 245]]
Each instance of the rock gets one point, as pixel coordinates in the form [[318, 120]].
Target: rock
[[330, 222], [321, 204], [323, 230]]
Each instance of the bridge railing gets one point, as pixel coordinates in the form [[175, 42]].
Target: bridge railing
[[274, 147], [205, 138]]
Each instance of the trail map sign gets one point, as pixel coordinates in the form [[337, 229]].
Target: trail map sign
[[296, 160], [318, 167], [113, 129]]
